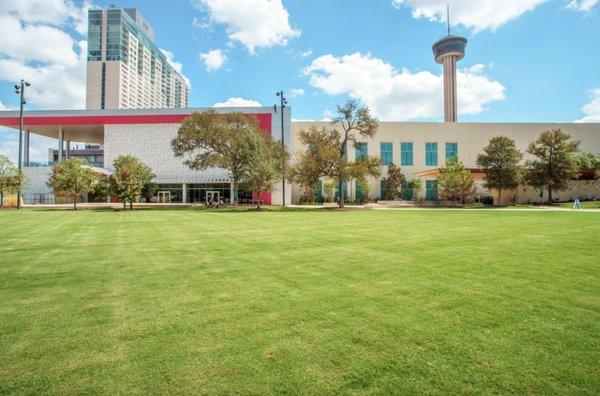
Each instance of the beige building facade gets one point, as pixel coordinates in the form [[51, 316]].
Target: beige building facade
[[420, 148], [125, 68]]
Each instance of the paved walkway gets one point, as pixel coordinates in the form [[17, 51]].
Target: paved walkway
[[102, 205]]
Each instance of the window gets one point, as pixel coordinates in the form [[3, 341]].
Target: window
[[319, 192], [383, 188], [451, 150], [386, 154], [344, 189], [407, 192], [431, 155], [361, 149], [406, 154], [359, 192], [431, 192]]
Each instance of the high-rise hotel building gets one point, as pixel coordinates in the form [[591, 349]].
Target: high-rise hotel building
[[125, 68]]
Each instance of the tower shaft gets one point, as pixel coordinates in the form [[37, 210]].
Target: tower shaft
[[450, 100]]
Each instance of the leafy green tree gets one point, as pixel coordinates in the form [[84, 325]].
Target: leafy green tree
[[500, 163], [393, 182], [214, 140], [416, 186], [455, 182], [553, 165], [306, 174], [355, 122], [587, 161], [365, 188], [12, 180], [326, 154], [329, 189], [129, 179], [73, 179], [266, 161]]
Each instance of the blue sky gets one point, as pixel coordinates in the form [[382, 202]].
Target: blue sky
[[527, 60]]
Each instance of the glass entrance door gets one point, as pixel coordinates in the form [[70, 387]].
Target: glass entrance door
[[212, 197], [164, 196]]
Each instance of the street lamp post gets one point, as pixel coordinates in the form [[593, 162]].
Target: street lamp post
[[20, 89], [283, 104]]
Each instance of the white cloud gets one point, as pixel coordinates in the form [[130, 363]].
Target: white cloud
[[176, 65], [2, 107], [238, 102], [400, 94], [582, 5], [476, 15], [35, 44], [306, 53], [253, 23], [297, 92], [592, 109], [213, 60], [48, 12], [53, 85]]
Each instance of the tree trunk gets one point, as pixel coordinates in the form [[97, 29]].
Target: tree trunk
[[74, 203], [341, 196], [131, 204], [499, 196], [549, 195], [1, 200], [124, 204]]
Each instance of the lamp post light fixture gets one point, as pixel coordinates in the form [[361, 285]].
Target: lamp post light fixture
[[283, 103], [20, 89]]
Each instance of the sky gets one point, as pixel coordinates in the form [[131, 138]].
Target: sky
[[526, 60]]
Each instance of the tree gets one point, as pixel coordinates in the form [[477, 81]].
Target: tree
[[587, 161], [327, 150], [73, 179], [214, 140], [329, 189], [553, 166], [355, 121], [500, 163], [416, 186], [306, 174], [130, 178], [455, 182], [393, 182], [12, 180], [266, 161], [365, 188]]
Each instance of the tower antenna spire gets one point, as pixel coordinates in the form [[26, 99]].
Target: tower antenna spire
[[448, 18]]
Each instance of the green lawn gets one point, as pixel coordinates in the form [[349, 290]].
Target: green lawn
[[182, 301]]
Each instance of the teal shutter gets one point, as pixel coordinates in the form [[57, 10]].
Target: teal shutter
[[386, 153], [451, 150], [431, 192], [431, 154], [406, 154]]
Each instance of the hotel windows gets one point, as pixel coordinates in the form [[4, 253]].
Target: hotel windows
[[406, 154], [386, 154], [431, 154]]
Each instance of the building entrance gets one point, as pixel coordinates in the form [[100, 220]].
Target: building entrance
[[212, 197], [164, 196]]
